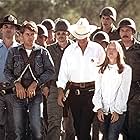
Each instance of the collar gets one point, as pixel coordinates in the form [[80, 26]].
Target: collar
[[14, 44], [113, 28], [58, 46], [136, 44]]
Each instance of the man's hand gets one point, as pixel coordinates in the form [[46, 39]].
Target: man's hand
[[45, 91], [100, 115], [60, 97], [20, 91], [31, 89], [114, 117]]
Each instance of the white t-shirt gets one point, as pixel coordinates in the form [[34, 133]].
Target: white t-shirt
[[28, 52]]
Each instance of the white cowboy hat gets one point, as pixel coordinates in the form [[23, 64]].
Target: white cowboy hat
[[82, 29]]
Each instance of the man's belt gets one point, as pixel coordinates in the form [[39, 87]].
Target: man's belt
[[83, 85]]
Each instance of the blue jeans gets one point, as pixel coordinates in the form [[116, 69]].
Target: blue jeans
[[111, 131], [21, 109]]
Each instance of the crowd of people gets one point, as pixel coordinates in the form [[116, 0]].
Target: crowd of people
[[57, 80]]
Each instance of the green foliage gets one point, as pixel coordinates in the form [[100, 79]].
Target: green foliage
[[37, 10]]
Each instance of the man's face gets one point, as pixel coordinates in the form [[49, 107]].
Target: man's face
[[106, 21], [126, 33], [29, 38], [8, 31], [50, 36], [61, 36], [41, 40], [82, 42]]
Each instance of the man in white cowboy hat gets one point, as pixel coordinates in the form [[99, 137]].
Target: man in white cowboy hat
[[8, 27], [78, 66]]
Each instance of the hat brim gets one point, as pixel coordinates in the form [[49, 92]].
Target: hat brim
[[16, 25], [90, 30]]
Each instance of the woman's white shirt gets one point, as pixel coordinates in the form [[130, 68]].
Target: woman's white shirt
[[112, 89]]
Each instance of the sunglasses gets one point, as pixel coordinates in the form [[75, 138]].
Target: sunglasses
[[61, 33]]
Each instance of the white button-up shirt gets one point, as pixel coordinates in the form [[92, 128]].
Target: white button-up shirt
[[78, 67], [112, 89]]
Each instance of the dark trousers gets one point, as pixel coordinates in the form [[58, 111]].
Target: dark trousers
[[131, 130], [81, 108], [7, 127], [134, 118]]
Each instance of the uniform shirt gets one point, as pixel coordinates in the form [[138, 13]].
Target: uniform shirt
[[3, 55], [132, 58], [78, 67], [56, 53], [113, 33], [112, 89]]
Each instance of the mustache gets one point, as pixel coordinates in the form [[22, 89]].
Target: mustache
[[125, 36]]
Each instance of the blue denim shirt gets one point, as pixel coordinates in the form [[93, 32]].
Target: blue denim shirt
[[3, 55], [43, 69]]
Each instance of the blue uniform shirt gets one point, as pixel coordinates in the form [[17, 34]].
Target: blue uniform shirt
[[3, 56]]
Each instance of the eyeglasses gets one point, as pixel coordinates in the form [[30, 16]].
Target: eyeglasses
[[61, 33]]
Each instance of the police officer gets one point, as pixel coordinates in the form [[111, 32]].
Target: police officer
[[102, 38], [42, 35], [131, 47], [108, 16], [49, 24], [8, 27], [56, 50]]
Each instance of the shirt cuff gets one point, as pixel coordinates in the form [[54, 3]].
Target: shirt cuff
[[60, 85]]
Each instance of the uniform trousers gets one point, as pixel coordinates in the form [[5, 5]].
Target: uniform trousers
[[55, 113], [81, 108], [131, 127], [134, 115]]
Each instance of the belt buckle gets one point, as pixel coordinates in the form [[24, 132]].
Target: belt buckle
[[77, 92], [82, 85]]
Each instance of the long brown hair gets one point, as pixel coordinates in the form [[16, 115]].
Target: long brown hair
[[120, 59]]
